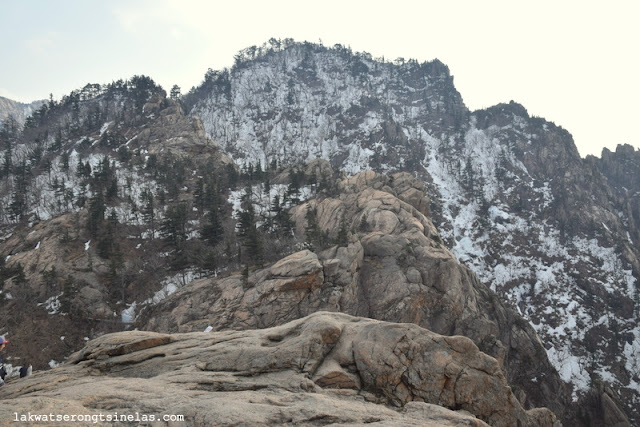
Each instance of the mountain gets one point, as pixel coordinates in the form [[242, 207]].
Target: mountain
[[232, 206], [552, 232], [18, 110]]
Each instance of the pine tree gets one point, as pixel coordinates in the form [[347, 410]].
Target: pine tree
[[501, 167], [175, 92], [112, 189], [259, 174], [363, 227], [212, 196], [267, 185], [246, 220], [58, 189], [180, 260], [18, 205], [107, 245], [282, 223], [81, 198], [293, 192], [64, 161], [7, 163], [174, 226], [69, 291], [96, 214], [342, 239], [212, 231], [148, 211], [232, 175], [199, 194], [312, 180], [21, 177], [210, 261], [249, 235], [315, 238], [57, 142]]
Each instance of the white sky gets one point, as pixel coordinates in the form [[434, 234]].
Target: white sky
[[571, 62]]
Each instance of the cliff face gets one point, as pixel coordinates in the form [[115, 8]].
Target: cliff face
[[324, 368], [309, 102], [509, 192], [622, 171]]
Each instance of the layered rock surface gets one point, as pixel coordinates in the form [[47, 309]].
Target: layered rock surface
[[394, 268], [324, 368]]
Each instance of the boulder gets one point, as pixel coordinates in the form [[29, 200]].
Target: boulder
[[323, 368]]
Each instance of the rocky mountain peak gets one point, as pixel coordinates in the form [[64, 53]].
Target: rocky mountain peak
[[302, 93], [621, 167], [508, 192]]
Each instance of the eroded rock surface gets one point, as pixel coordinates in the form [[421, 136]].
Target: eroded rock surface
[[324, 368]]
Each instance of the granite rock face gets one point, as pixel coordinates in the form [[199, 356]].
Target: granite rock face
[[324, 368]]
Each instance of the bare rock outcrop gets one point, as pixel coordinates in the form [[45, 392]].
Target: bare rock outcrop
[[394, 268], [324, 368], [177, 133]]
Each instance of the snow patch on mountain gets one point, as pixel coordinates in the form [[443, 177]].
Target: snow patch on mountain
[[531, 275]]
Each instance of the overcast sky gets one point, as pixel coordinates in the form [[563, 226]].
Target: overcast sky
[[575, 63]]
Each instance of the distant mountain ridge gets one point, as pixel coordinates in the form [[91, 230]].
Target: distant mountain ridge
[[18, 110]]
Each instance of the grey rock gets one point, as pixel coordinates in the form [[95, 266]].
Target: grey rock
[[326, 367]]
